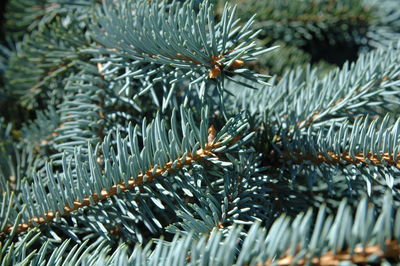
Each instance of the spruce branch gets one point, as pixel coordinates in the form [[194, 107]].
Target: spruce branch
[[200, 41], [367, 149], [29, 15], [373, 142], [103, 186], [300, 172], [164, 41], [384, 29], [82, 111], [41, 132], [45, 59], [238, 195], [370, 235], [302, 99], [343, 158], [299, 23], [318, 114], [360, 256], [149, 176], [53, 73]]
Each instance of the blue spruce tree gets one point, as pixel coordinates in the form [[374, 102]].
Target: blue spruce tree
[[192, 132]]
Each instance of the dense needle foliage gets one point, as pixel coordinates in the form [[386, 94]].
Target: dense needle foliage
[[199, 132]]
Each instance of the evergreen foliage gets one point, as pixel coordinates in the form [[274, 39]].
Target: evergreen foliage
[[196, 132]]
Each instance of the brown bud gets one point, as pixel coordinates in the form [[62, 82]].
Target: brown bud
[[236, 64], [214, 72], [211, 134]]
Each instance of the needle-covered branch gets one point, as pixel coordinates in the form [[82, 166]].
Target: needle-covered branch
[[127, 168]]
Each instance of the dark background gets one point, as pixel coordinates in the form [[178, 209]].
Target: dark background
[[2, 21]]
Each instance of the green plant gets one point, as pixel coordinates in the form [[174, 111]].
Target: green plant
[[172, 133]]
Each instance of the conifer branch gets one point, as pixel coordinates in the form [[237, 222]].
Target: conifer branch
[[341, 158], [364, 142], [302, 99], [141, 179], [316, 114], [190, 44], [80, 162], [53, 73], [45, 141], [360, 256], [43, 130]]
